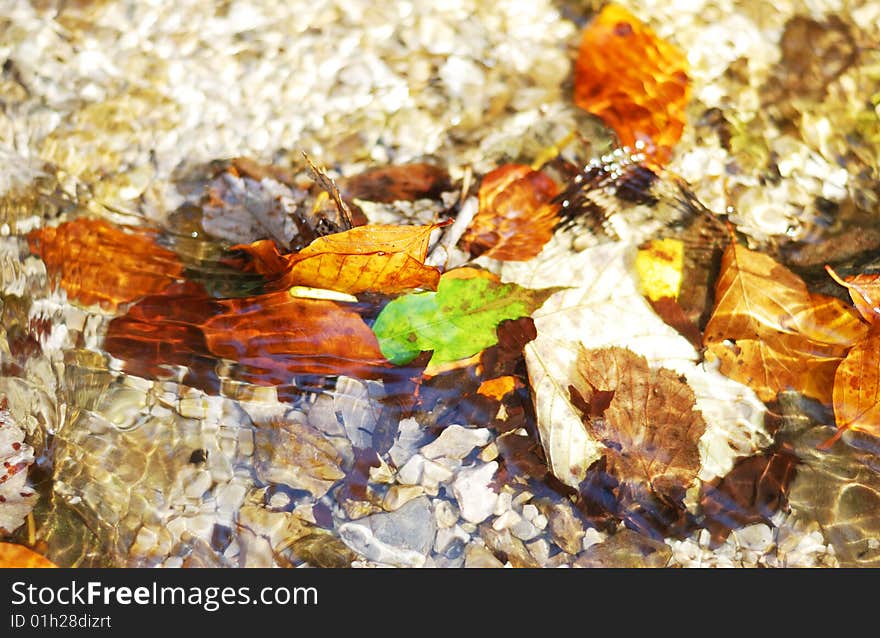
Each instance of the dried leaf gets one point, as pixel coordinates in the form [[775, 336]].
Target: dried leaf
[[857, 387], [457, 321], [386, 259], [295, 454], [516, 215], [646, 420], [659, 264], [865, 293], [18, 556], [754, 490], [771, 333], [98, 263], [273, 336], [634, 80], [406, 182], [601, 306]]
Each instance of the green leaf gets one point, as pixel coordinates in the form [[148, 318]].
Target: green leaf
[[457, 321]]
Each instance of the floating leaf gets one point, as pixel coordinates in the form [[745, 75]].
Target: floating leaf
[[385, 259], [18, 556], [634, 80], [98, 263], [645, 419], [771, 333], [857, 387], [406, 182], [295, 454], [865, 293], [516, 215], [457, 321]]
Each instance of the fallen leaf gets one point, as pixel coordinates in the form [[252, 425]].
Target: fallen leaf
[[276, 336], [601, 306], [385, 259], [516, 215], [634, 80], [753, 491], [18, 556], [626, 550], [771, 333], [856, 394], [96, 262], [406, 182], [646, 420], [295, 454], [273, 337], [659, 264], [457, 321], [497, 388], [865, 293]]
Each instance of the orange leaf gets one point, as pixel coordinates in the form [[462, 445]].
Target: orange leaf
[[516, 217], [497, 388], [865, 293], [19, 556], [857, 387], [632, 79], [771, 333], [275, 336], [386, 259], [98, 263]]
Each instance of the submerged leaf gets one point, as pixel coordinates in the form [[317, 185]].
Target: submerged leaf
[[857, 387], [18, 556], [385, 259], [406, 182], [516, 216], [457, 321], [96, 262], [634, 80], [771, 333], [865, 293], [646, 419]]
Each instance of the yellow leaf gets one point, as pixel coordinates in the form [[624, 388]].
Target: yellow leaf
[[660, 266]]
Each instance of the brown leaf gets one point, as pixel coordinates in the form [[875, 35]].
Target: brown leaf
[[634, 80], [406, 182], [18, 556], [865, 293], [385, 259], [754, 490], [295, 454], [516, 215], [857, 387], [98, 263], [771, 333], [650, 428], [273, 336]]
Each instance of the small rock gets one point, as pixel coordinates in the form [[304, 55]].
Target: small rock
[[506, 521], [489, 453], [359, 412], [399, 495], [756, 538], [626, 549], [505, 503], [524, 530], [471, 489], [480, 557], [411, 472], [198, 485], [540, 550], [410, 528], [406, 443], [504, 543], [566, 529], [446, 537], [445, 513], [592, 536], [456, 442]]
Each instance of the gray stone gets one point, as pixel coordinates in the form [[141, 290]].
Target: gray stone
[[395, 538], [471, 489]]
